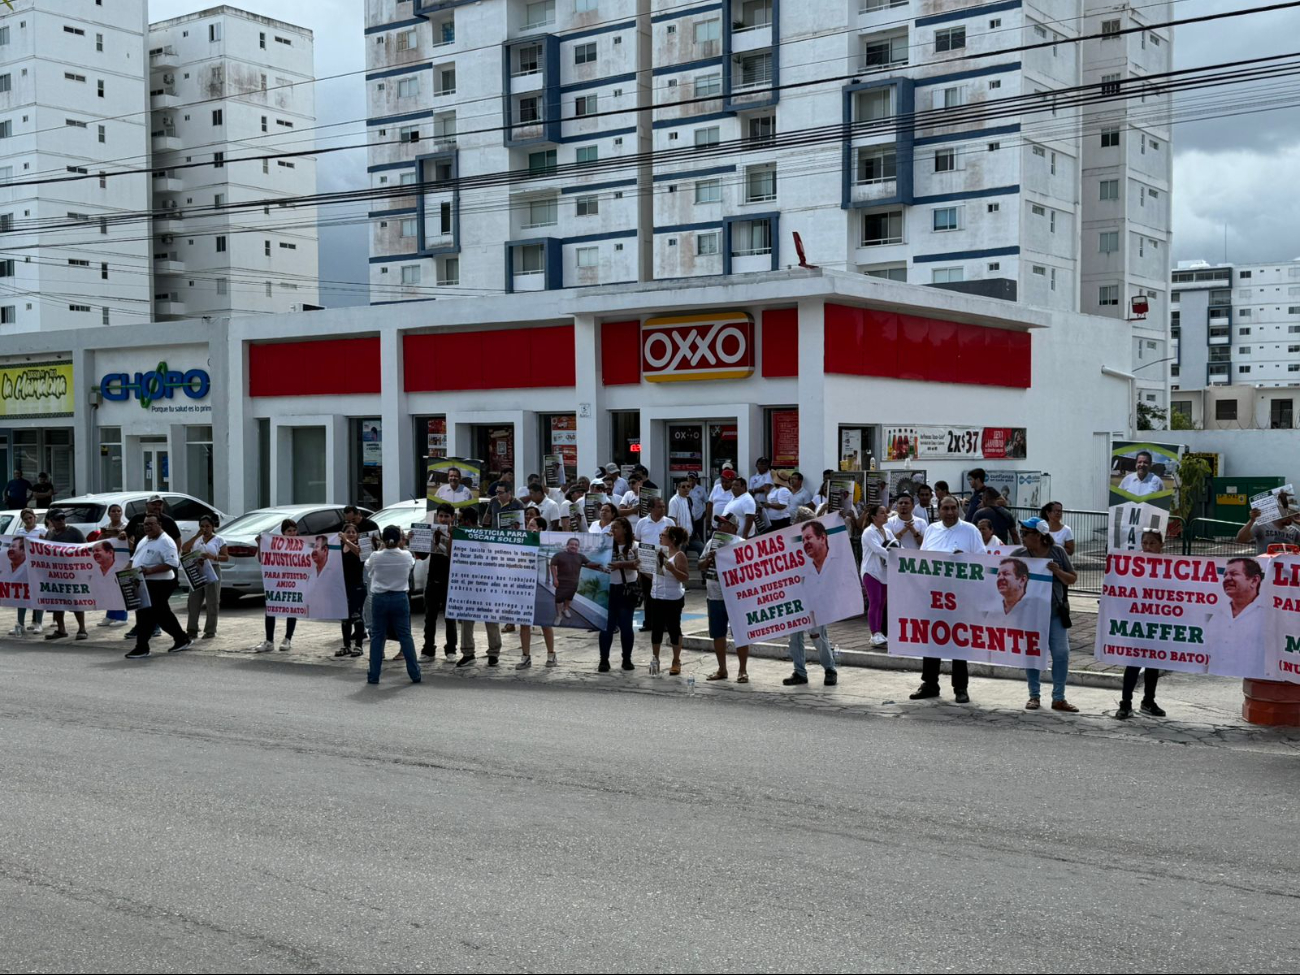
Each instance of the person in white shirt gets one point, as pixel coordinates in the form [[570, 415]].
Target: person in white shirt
[[800, 496], [212, 549], [1142, 482], [741, 508], [779, 507], [908, 525], [1240, 622], [389, 569], [607, 515], [877, 540], [948, 534], [759, 486], [719, 497], [454, 492], [557, 518], [28, 528], [157, 560], [620, 486], [629, 505], [823, 496], [680, 513], [1062, 534], [699, 502], [647, 531]]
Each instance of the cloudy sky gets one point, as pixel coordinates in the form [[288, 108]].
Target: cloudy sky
[[1241, 170]]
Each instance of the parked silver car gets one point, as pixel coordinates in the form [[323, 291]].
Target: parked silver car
[[242, 575]]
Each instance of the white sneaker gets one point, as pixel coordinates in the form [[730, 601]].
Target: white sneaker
[[35, 627], [17, 633], [117, 622], [266, 646], [286, 645], [568, 614], [105, 622], [878, 640]]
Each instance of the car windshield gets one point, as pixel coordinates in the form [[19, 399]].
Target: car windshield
[[83, 512], [401, 516], [255, 522]]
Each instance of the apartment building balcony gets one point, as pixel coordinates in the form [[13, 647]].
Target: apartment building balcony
[[752, 79], [169, 222], [1218, 372], [868, 7], [167, 262], [166, 183], [751, 25], [874, 190], [168, 304], [1220, 336], [161, 98], [166, 140], [530, 280], [164, 59]]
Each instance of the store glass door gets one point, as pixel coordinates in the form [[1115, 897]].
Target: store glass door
[[685, 449], [157, 469], [724, 445]]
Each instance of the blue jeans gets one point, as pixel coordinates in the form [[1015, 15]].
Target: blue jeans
[[36, 616], [118, 614], [391, 609], [1058, 640], [823, 644]]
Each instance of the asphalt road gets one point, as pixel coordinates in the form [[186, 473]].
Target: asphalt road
[[222, 815]]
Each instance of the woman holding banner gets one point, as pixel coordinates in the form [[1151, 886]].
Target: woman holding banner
[[1039, 544], [668, 596], [287, 527], [116, 528], [211, 548], [624, 585], [354, 627], [877, 540], [28, 528]]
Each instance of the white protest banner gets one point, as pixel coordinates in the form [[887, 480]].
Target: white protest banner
[[1274, 505], [647, 557], [1190, 613], [1129, 520], [421, 537], [493, 576], [573, 580], [1282, 653], [797, 578], [302, 576], [75, 577], [14, 590], [989, 609]]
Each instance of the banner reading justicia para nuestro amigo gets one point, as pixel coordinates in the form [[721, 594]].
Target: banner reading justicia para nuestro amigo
[[78, 577], [983, 608]]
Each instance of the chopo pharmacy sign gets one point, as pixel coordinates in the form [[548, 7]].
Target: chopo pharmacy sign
[[153, 389], [680, 348]]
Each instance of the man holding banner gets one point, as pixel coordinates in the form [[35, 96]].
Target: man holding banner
[[949, 534], [157, 560]]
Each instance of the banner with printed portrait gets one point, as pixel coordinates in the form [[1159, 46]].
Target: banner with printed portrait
[[14, 590], [797, 578], [1143, 471], [573, 580], [493, 576], [457, 481], [988, 609], [302, 576], [1195, 614], [78, 577], [1282, 652]]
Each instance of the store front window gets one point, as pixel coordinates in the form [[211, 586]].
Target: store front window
[[198, 462], [263, 462], [308, 458], [367, 462], [48, 450], [782, 442], [494, 444], [559, 436], [430, 443], [110, 459], [857, 447], [625, 438]]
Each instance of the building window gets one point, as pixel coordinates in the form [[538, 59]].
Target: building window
[[1110, 84], [542, 162], [286, 41], [218, 116], [710, 136], [708, 31], [995, 83], [409, 228], [875, 104], [1243, 350], [945, 160], [450, 273], [214, 32], [588, 256], [588, 206], [446, 81], [587, 155], [708, 191], [707, 244], [584, 6], [947, 218], [288, 247], [406, 88], [218, 160], [994, 207], [1243, 369], [584, 53], [69, 76], [882, 228], [953, 97], [1110, 241], [1109, 138], [539, 14], [221, 244], [947, 275], [950, 39], [1037, 210], [877, 165], [1108, 294], [708, 85], [410, 274], [7, 315], [1109, 189], [261, 40], [584, 105], [760, 183], [103, 133], [542, 213]]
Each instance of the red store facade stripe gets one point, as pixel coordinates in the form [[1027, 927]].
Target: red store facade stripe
[[869, 342], [620, 353], [509, 358], [332, 367], [780, 343]]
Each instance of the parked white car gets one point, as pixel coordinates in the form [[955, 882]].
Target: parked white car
[[89, 512]]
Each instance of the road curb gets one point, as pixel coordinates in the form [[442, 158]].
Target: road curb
[[878, 660]]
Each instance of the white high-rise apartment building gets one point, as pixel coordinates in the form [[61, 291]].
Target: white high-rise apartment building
[[227, 85], [899, 138], [73, 252]]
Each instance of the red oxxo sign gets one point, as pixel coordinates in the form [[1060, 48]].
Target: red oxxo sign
[[717, 345]]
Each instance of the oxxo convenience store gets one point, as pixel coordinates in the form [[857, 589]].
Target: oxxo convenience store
[[809, 367]]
